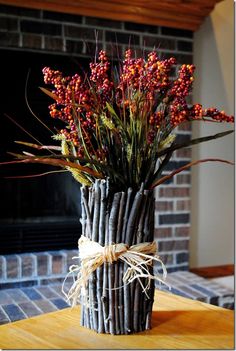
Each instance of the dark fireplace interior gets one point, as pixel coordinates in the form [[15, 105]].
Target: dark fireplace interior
[[38, 213]]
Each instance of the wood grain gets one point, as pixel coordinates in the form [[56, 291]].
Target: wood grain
[[178, 14], [177, 323]]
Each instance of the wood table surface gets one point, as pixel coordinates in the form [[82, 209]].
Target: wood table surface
[[177, 323]]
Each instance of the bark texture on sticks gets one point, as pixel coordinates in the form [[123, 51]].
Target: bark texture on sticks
[[110, 218]]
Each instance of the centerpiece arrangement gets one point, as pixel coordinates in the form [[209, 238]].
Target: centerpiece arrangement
[[118, 139]]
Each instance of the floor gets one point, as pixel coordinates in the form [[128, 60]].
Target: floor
[[21, 303], [16, 304], [227, 282]]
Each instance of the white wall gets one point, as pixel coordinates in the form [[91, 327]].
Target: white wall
[[212, 227]]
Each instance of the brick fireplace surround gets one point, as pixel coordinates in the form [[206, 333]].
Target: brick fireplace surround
[[63, 34]]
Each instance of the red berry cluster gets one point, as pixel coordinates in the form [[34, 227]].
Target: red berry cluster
[[144, 90], [177, 94], [178, 112], [148, 77], [157, 73], [156, 119], [219, 116], [183, 84], [197, 112], [99, 76], [72, 100]]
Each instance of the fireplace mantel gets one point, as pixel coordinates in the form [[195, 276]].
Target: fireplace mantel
[[182, 14]]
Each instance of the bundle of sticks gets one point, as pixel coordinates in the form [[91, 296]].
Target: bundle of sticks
[[122, 217]]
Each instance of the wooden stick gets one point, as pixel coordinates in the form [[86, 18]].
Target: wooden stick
[[116, 297], [83, 321], [83, 215], [149, 304], [127, 209], [140, 233], [92, 277], [94, 206], [149, 236], [120, 268], [85, 232], [113, 220], [101, 231], [130, 238], [117, 264], [126, 289], [127, 308], [146, 232], [111, 298], [84, 193], [138, 294], [91, 199], [136, 306], [105, 302], [152, 220], [105, 298], [132, 221]]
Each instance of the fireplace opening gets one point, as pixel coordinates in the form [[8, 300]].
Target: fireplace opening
[[39, 213]]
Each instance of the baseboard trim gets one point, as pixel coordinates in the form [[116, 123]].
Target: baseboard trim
[[214, 271]]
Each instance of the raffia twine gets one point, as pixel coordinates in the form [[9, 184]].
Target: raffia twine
[[92, 255]]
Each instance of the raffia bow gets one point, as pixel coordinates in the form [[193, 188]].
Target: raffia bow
[[92, 255]]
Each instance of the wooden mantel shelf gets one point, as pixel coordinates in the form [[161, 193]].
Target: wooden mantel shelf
[[177, 323], [182, 14]]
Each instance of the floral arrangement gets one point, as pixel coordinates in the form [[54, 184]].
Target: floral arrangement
[[117, 140], [119, 121]]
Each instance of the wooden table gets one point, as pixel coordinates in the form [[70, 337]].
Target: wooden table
[[178, 323]]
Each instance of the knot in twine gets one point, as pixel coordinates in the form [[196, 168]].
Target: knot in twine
[[111, 253], [92, 255]]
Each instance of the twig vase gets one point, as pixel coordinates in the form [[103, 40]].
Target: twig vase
[[111, 218]]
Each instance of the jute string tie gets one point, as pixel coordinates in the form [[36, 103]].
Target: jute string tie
[[92, 255]]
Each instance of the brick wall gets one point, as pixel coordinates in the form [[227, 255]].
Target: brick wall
[[54, 32], [172, 225], [33, 269], [35, 30]]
